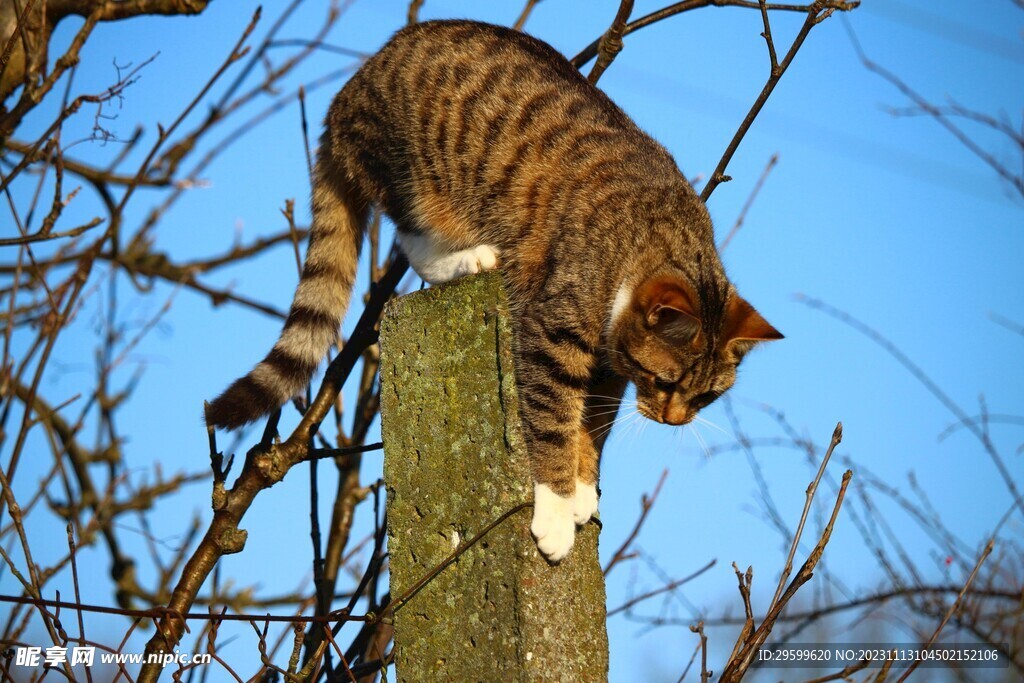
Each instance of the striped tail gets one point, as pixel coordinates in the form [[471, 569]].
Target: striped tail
[[321, 298]]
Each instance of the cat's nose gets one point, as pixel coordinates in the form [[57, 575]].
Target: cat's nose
[[676, 415]]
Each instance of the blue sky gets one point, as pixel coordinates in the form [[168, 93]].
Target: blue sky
[[887, 218]]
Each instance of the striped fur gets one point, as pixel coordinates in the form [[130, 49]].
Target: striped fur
[[320, 301], [477, 139]]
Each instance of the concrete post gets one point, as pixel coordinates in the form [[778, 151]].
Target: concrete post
[[454, 461]]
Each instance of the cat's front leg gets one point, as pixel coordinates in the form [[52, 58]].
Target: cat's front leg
[[553, 377], [585, 500], [602, 406]]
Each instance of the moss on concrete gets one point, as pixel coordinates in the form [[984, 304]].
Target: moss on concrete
[[454, 460]]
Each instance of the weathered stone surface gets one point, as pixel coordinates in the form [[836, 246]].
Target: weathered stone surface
[[454, 460]]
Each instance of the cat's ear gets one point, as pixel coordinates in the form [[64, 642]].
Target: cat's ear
[[744, 326], [669, 310]]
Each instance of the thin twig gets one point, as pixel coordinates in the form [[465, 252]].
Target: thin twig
[[610, 44], [812, 488], [1016, 181], [816, 12], [750, 201], [928, 383], [413, 15], [952, 609], [646, 503], [705, 675], [262, 470], [525, 14], [668, 587]]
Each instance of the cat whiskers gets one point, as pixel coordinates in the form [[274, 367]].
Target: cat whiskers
[[642, 426], [611, 406], [601, 430], [606, 401], [700, 439], [603, 412], [610, 398], [709, 423], [635, 427]]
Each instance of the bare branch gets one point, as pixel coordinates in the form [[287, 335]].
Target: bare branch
[[941, 116], [816, 12], [667, 588], [750, 201], [646, 503], [525, 14], [590, 51], [610, 44], [413, 15], [952, 609], [812, 488], [928, 383]]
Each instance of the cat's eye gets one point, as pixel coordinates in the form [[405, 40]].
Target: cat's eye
[[704, 400], [664, 385]]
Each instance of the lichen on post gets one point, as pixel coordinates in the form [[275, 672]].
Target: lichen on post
[[454, 461]]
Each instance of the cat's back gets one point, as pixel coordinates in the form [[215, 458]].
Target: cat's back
[[451, 40], [462, 117], [457, 78], [452, 55]]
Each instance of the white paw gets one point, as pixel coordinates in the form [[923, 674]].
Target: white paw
[[468, 264], [584, 503], [553, 524], [476, 260], [487, 257]]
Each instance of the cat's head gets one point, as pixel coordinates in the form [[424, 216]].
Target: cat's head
[[679, 351]]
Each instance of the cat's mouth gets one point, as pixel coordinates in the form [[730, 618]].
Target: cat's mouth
[[668, 417]]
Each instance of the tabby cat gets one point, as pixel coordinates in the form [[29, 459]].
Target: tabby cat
[[486, 147]]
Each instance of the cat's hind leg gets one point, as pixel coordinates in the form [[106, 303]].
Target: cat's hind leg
[[435, 262]]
